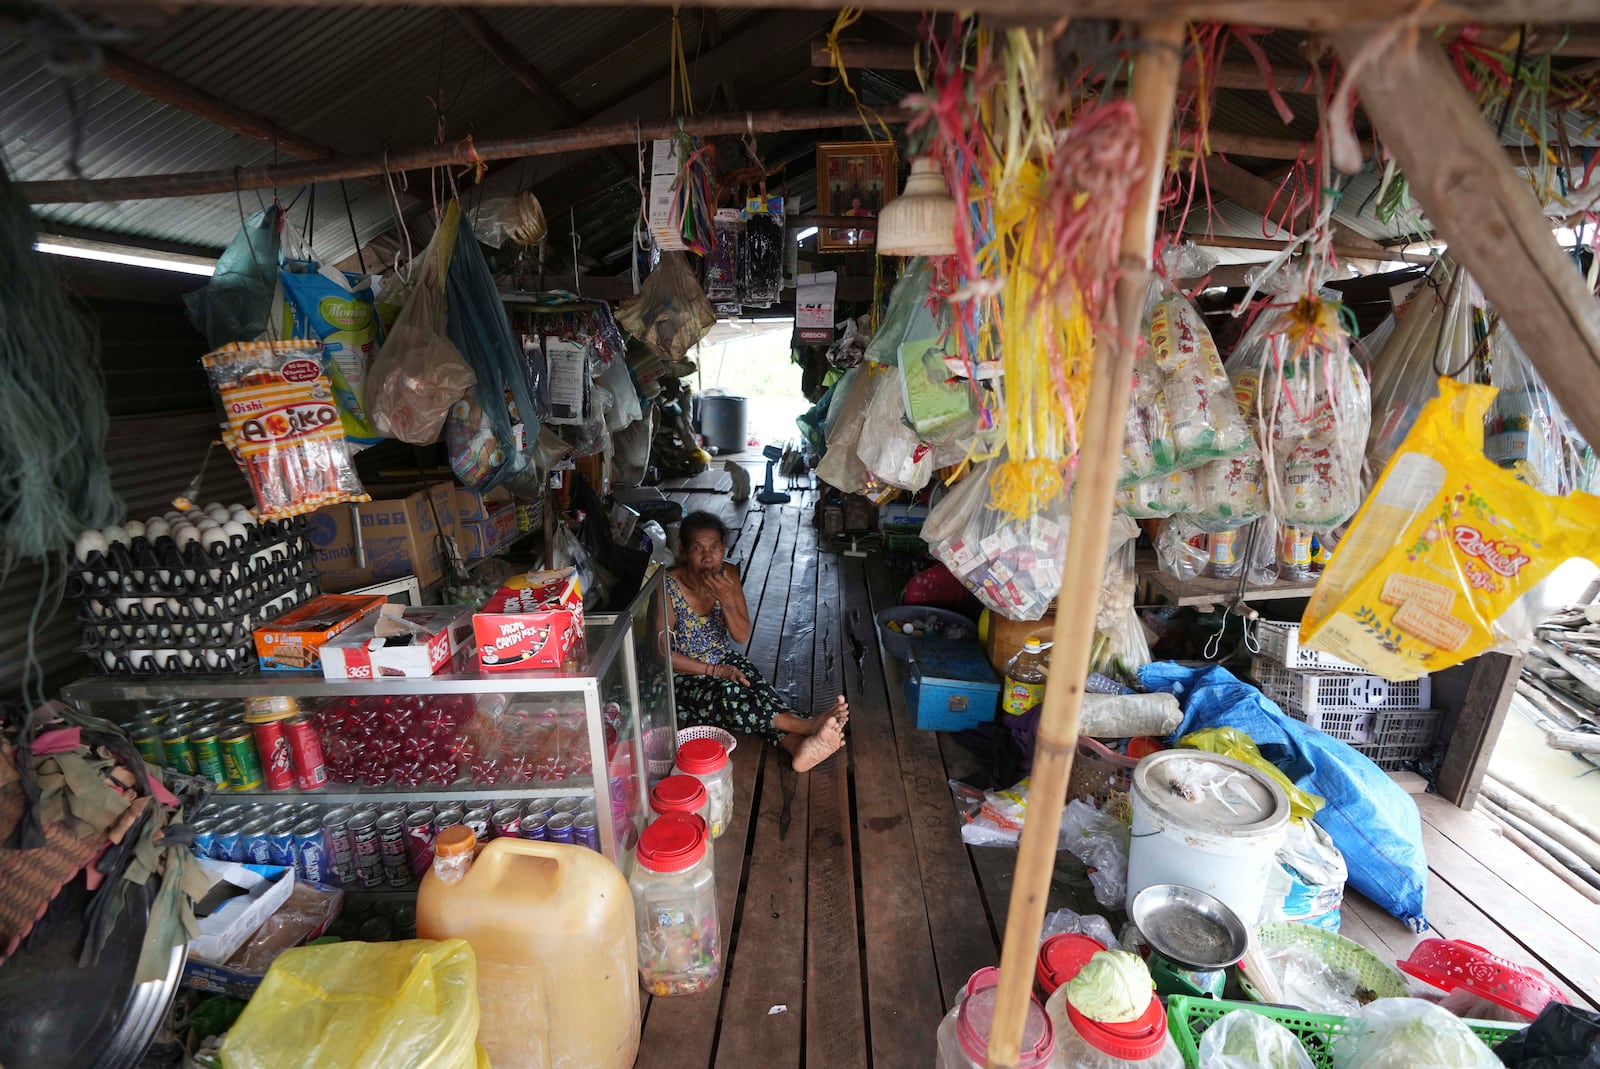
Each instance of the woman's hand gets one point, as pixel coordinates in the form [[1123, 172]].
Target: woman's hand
[[727, 671], [725, 588]]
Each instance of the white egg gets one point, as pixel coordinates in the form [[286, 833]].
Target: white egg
[[207, 524], [214, 505], [186, 658], [135, 529], [151, 606], [186, 534], [220, 514], [90, 542], [157, 529], [116, 535], [235, 529], [173, 517], [214, 536]]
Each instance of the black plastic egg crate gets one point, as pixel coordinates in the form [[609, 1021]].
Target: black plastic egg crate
[[147, 568]]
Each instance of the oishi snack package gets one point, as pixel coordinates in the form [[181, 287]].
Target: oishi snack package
[[283, 426], [1446, 557]]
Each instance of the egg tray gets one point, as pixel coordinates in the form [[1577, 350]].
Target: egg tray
[[229, 660], [196, 608], [218, 633], [147, 567]]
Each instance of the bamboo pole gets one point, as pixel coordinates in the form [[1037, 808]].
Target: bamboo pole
[[1575, 864], [1586, 849], [1155, 81], [1556, 868], [1572, 820]]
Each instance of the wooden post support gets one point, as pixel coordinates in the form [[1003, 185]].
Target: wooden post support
[[1480, 691], [1481, 208], [1155, 81]]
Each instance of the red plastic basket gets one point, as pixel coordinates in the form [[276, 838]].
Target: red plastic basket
[[1449, 964]]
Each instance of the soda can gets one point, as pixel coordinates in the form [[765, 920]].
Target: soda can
[[205, 836], [565, 805], [532, 826], [175, 744], [227, 843], [341, 847], [507, 822], [446, 818], [277, 765], [256, 848], [280, 842], [305, 748], [155, 716], [392, 849], [558, 829], [240, 764], [364, 839], [419, 841], [478, 819], [148, 743], [586, 831], [311, 852], [207, 753], [422, 807], [311, 810]]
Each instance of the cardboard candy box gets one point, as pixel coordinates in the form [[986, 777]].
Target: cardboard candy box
[[400, 641], [293, 642], [534, 621]]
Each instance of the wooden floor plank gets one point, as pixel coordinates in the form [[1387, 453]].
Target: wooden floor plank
[[768, 618], [835, 1021], [903, 992], [963, 941]]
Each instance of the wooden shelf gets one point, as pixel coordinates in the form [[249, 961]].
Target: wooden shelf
[[1204, 591]]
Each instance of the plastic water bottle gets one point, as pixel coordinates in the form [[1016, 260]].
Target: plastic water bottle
[[1025, 675]]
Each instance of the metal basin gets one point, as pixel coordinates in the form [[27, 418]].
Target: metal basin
[[1189, 927]]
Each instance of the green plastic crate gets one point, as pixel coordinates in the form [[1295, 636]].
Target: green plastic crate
[[1188, 1018]]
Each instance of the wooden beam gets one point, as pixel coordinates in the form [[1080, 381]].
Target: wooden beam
[[1479, 692], [1268, 200], [180, 94], [1482, 209], [859, 56], [1343, 252], [459, 154], [1266, 147], [1287, 14]]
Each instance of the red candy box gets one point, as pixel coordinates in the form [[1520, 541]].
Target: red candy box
[[533, 621]]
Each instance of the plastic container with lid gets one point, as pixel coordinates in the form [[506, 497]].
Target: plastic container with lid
[[1081, 1043], [675, 907], [707, 761], [1060, 958], [964, 1032], [552, 929], [681, 794]]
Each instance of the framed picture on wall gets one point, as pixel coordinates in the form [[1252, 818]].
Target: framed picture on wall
[[853, 178]]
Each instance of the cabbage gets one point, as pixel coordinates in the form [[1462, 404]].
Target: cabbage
[[1409, 1033], [1112, 986], [1245, 1039]]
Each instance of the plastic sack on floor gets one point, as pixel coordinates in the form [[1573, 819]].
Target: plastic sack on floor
[[236, 303], [1099, 841], [888, 447], [1450, 554], [1245, 1039], [1204, 418], [1433, 335], [841, 466], [1409, 1033], [1307, 884], [1371, 819], [406, 1005], [418, 373], [670, 312], [1230, 742], [1561, 1037], [322, 302]]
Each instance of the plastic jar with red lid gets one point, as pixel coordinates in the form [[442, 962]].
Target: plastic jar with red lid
[[707, 761], [675, 907]]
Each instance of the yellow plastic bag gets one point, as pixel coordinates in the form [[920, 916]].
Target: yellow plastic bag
[[1231, 742], [409, 1005], [1444, 557]]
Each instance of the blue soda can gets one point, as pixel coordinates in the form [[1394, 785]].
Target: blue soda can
[[558, 828], [205, 836], [311, 852], [586, 831], [532, 826], [280, 842], [257, 850], [226, 842]]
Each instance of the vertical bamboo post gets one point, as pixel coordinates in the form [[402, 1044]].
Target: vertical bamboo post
[[1155, 79]]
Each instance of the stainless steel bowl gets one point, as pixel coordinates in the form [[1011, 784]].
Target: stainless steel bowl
[[1189, 927]]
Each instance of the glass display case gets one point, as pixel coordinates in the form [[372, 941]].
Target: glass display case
[[562, 754]]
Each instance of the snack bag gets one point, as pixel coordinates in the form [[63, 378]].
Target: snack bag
[[1160, 495], [1204, 424], [1438, 562], [337, 307]]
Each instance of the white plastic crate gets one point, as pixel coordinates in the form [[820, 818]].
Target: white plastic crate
[[1281, 642], [1342, 704]]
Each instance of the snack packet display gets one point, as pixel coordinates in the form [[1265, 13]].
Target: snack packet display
[[1447, 557], [283, 425], [336, 307]]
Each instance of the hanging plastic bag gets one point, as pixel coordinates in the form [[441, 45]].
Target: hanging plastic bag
[[939, 407], [1526, 431], [406, 1005], [624, 409], [236, 304], [1409, 1033], [760, 256], [1450, 554], [418, 374], [632, 446], [1180, 549], [1158, 496], [519, 220], [670, 312], [841, 465], [1204, 420], [321, 302], [888, 448], [1245, 1039], [1433, 335]]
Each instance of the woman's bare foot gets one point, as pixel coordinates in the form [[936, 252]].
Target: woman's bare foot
[[817, 748], [810, 725]]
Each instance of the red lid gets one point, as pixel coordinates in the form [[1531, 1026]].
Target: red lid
[[701, 757], [976, 1017], [1060, 958], [1132, 1040], [675, 842], [678, 794], [1451, 964]]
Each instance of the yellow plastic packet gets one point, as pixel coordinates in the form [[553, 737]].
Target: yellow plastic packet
[[1231, 742], [1444, 558], [407, 1005]]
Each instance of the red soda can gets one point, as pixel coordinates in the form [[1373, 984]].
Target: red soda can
[[419, 842], [305, 747], [277, 764], [507, 822]]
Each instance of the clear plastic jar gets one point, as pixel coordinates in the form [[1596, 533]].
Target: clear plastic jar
[[681, 794], [453, 851], [675, 907], [707, 761], [1083, 1044], [964, 1032]]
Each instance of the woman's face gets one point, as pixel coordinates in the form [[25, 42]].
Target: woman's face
[[704, 551]]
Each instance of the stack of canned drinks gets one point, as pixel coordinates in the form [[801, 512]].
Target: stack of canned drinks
[[378, 844], [243, 746]]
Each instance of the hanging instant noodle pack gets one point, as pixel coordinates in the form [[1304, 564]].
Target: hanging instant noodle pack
[[283, 426]]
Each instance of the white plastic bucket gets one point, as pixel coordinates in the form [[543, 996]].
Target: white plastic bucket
[[1221, 841]]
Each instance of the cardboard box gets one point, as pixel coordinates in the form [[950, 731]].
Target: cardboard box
[[400, 641], [534, 621], [225, 928], [400, 535], [480, 538], [293, 642], [472, 506], [443, 496], [238, 979]]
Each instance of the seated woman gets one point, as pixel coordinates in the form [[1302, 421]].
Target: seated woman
[[716, 684]]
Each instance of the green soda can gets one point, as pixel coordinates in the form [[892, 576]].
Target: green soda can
[[175, 742], [148, 744], [207, 753], [240, 764]]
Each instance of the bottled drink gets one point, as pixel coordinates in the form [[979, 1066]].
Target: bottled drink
[[1223, 560], [1294, 555], [1025, 675]]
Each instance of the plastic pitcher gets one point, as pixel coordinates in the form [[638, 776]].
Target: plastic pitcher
[[552, 928]]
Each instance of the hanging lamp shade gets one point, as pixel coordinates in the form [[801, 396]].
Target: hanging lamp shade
[[922, 220]]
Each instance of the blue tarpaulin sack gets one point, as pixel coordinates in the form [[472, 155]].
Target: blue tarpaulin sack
[[1370, 818]]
